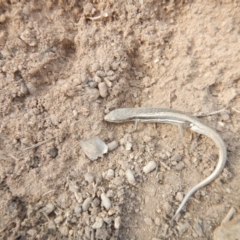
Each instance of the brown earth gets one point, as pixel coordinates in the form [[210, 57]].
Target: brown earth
[[64, 65]]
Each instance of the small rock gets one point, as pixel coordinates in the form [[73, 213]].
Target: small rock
[[115, 65], [28, 37], [179, 196], [167, 207], [117, 222], [53, 152], [98, 223], [59, 219], [87, 9], [49, 208], [106, 203], [198, 229], [130, 176], [51, 225], [111, 211], [118, 181], [110, 193], [96, 202], [110, 73], [95, 66], [64, 230], [92, 94], [112, 145], [32, 232], [92, 84], [148, 221], [180, 166], [86, 204], [177, 157], [183, 227], [103, 89], [110, 174], [150, 167], [100, 73], [77, 209], [89, 177], [23, 89], [128, 146], [94, 148]]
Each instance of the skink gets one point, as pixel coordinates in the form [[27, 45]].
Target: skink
[[163, 115]]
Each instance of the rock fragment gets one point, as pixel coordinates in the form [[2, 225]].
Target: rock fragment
[[150, 167], [94, 148]]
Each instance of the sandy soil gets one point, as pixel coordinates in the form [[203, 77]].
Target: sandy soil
[[64, 65]]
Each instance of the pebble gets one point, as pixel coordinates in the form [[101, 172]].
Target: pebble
[[100, 73], [108, 83], [112, 145], [128, 146], [87, 9], [89, 177], [86, 204], [177, 157], [130, 176], [94, 148], [150, 167], [183, 227], [32, 232], [148, 221], [110, 73], [118, 181], [111, 211], [102, 86], [51, 225], [117, 222], [198, 229], [98, 223], [59, 219], [77, 209], [180, 166], [64, 230], [92, 94], [23, 89], [95, 67], [110, 174], [110, 193], [106, 203], [53, 152], [167, 207], [92, 84], [96, 202], [115, 65], [179, 196], [49, 208]]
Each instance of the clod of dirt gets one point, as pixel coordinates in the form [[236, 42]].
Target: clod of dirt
[[94, 148]]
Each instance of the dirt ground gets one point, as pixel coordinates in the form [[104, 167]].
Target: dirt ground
[[64, 65]]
